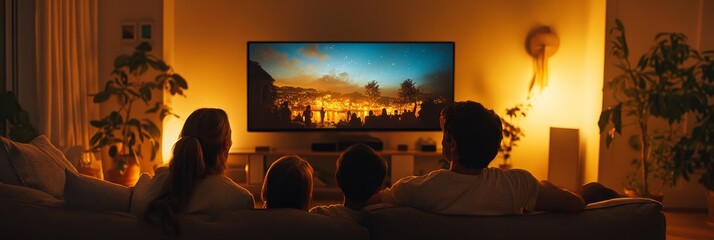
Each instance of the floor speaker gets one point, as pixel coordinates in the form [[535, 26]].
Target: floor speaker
[[564, 158]]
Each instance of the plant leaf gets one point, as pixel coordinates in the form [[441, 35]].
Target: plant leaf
[[101, 97], [113, 151], [143, 47], [151, 127]]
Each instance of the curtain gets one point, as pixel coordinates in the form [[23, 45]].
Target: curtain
[[67, 69]]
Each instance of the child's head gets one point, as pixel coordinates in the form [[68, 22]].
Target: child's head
[[360, 172], [288, 183]]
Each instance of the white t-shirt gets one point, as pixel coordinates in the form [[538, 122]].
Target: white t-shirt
[[339, 211], [492, 192], [214, 194]]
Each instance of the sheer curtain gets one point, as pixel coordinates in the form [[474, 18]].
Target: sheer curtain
[[67, 69]]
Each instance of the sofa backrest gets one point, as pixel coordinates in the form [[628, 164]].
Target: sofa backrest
[[23, 220], [621, 218]]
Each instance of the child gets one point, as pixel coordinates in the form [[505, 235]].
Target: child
[[288, 184], [360, 174]]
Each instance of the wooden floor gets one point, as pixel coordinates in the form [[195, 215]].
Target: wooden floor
[[688, 224]]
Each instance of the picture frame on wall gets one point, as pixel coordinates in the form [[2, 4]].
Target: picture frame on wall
[[128, 32], [145, 31]]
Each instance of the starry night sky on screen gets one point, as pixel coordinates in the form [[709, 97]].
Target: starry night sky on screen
[[347, 67]]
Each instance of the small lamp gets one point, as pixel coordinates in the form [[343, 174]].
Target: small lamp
[[541, 43], [89, 165]]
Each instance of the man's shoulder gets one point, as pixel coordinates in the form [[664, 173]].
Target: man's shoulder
[[520, 175]]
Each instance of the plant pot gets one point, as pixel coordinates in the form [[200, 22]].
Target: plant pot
[[654, 196], [505, 166], [127, 176]]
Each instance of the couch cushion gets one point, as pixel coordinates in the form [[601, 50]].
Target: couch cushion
[[28, 195], [89, 193], [19, 220], [38, 164], [141, 189], [642, 220]]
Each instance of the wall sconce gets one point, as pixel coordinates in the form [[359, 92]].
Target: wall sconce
[[541, 43]]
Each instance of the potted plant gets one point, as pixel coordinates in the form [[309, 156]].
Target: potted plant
[[662, 85], [122, 130], [512, 132], [695, 152]]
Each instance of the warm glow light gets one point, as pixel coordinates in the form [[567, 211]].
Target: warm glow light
[[172, 129]]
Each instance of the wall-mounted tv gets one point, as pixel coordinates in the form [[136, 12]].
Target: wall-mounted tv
[[348, 86]]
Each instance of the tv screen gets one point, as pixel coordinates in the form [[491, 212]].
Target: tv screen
[[348, 86]]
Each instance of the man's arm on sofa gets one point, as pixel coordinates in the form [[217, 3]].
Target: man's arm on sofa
[[553, 198]]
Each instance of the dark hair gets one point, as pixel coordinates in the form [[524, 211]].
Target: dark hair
[[360, 172], [476, 132], [288, 183], [202, 150]]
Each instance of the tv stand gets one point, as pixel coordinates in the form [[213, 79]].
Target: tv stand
[[253, 165]]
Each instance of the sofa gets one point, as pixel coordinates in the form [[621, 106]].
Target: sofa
[[42, 197]]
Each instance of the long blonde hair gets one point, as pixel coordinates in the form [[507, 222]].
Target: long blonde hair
[[202, 150], [288, 183]]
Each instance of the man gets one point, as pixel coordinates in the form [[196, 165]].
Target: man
[[471, 138]]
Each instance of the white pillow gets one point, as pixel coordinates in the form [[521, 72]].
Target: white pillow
[[38, 164], [142, 194], [92, 194]]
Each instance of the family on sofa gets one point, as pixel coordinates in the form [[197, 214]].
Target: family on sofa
[[194, 184]]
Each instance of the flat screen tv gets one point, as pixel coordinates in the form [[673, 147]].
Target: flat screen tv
[[348, 86]]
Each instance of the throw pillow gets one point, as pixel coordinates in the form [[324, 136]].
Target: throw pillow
[[92, 194], [38, 164], [140, 194], [28, 195]]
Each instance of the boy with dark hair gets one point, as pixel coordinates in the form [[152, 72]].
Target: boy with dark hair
[[471, 138], [360, 174]]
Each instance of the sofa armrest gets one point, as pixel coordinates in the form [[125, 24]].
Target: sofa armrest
[[622, 201]]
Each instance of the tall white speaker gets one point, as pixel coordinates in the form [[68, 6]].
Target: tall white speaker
[[564, 158]]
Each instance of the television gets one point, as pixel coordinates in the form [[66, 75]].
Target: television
[[348, 86]]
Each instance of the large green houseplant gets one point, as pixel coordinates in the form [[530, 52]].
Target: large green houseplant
[[661, 85], [124, 131]]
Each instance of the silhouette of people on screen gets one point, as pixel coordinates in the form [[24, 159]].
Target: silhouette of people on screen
[[355, 121], [307, 114], [322, 115], [284, 112]]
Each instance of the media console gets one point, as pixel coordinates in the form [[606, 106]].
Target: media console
[[253, 165]]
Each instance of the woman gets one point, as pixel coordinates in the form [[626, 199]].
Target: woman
[[288, 184], [195, 182]]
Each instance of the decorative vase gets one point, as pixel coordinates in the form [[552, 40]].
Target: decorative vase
[[127, 176]]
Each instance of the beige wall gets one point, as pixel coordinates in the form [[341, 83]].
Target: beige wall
[[642, 20], [112, 14], [492, 66]]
